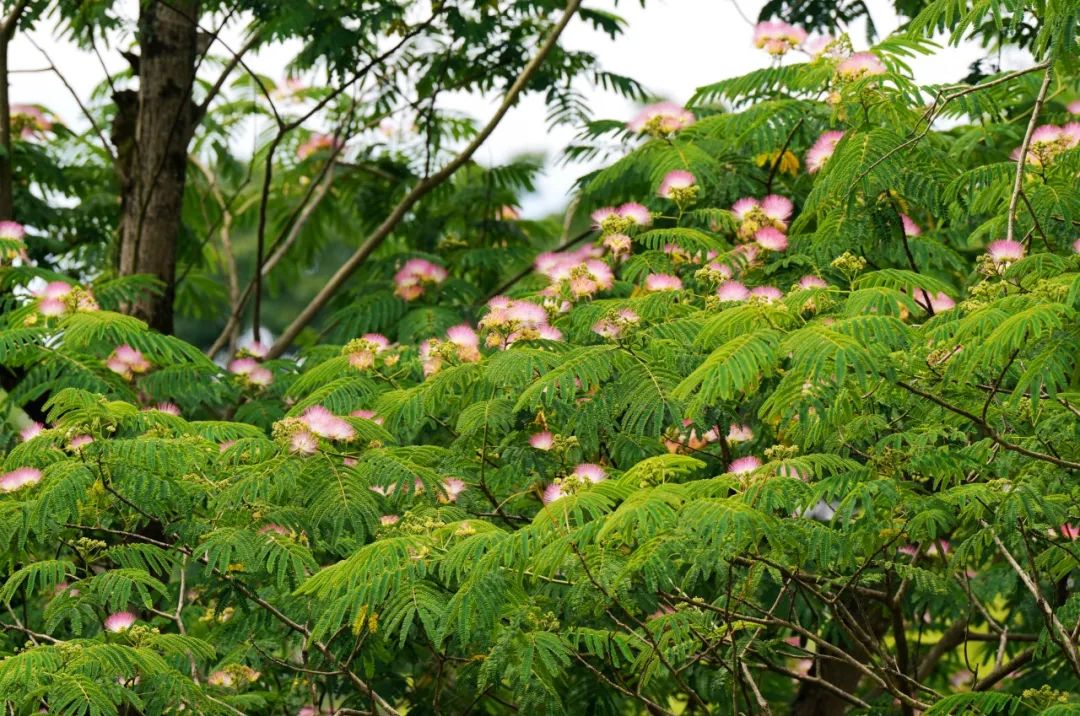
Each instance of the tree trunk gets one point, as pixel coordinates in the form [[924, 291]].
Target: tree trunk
[[152, 151], [6, 209]]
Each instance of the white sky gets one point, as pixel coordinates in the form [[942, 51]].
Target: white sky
[[670, 46]]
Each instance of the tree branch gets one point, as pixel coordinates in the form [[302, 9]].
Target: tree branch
[[375, 239], [1021, 161]]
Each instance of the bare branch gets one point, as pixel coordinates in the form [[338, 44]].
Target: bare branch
[[380, 234], [1021, 161]]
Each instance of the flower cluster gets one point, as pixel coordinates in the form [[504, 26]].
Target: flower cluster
[[127, 362], [415, 276], [584, 474], [687, 439], [1048, 141], [661, 119], [462, 344], [679, 186], [858, 66], [57, 298], [617, 324], [765, 222], [29, 120], [509, 320], [822, 149], [302, 433], [19, 477], [573, 274], [619, 220], [251, 372], [777, 38], [369, 348]]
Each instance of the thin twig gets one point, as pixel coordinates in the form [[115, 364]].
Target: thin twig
[[1021, 161]]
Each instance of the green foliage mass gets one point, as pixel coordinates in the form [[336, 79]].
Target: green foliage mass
[[690, 468]]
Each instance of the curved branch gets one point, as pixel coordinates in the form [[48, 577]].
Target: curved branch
[[375, 239]]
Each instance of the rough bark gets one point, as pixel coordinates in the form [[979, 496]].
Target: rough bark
[[152, 148]]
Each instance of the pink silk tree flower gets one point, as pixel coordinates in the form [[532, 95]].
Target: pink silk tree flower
[[367, 415], [18, 478], [662, 282], [777, 38], [551, 493], [811, 281], [325, 424], [732, 291], [1076, 246], [1069, 531], [859, 65], [739, 433], [662, 118], [303, 443], [119, 621], [12, 231], [675, 181], [822, 149], [768, 293], [743, 207], [1074, 106], [637, 214], [743, 465], [453, 487], [618, 245], [938, 301], [589, 471], [601, 215], [1005, 251], [542, 441], [389, 520], [771, 238], [778, 208], [31, 431], [910, 227], [79, 441]]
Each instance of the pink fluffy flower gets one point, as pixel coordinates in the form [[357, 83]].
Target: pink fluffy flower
[[1074, 106], [127, 361], [467, 342], [732, 291], [910, 227], [12, 231], [1005, 251], [79, 441], [589, 471], [18, 478], [771, 238], [303, 443], [367, 415], [768, 293], [614, 326], [551, 493], [453, 487], [542, 441], [415, 275], [1076, 246], [618, 245], [325, 424], [811, 281], [52, 298], [739, 433], [119, 621], [308, 711], [777, 38], [778, 208], [31, 431], [661, 118], [662, 282], [250, 370], [168, 408], [637, 214], [744, 465], [389, 520], [823, 148], [363, 351], [860, 64], [1069, 531], [675, 181], [743, 207], [601, 215], [938, 301]]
